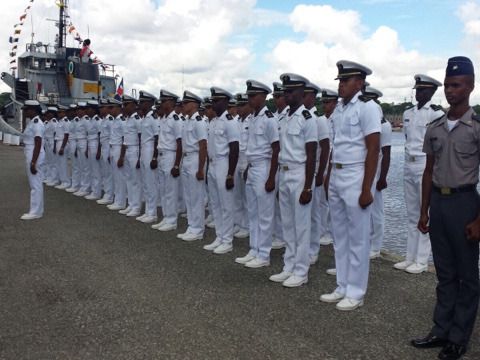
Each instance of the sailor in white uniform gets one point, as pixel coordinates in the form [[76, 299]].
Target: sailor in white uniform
[[72, 149], [298, 146], [51, 178], [149, 141], [130, 156], [262, 155], [223, 150], [62, 134], [81, 130], [415, 122], [378, 215], [170, 156], [194, 146], [106, 123], [356, 146], [34, 157], [323, 154], [94, 150]]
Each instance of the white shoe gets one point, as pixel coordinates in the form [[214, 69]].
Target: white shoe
[[223, 249], [156, 226], [332, 271], [295, 281], [140, 218], [80, 193], [417, 268], [313, 259], [374, 255], [61, 187], [210, 225], [326, 240], [104, 202], [92, 197], [332, 297], [257, 263], [51, 183], [149, 219], [180, 236], [212, 246], [167, 227], [348, 304], [192, 237], [115, 207], [133, 213], [71, 190], [241, 234], [125, 211], [277, 244], [281, 277], [402, 265], [30, 217], [245, 259]]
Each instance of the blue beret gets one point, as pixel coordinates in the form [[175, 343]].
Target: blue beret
[[459, 65]]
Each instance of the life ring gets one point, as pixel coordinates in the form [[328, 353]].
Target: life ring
[[71, 67]]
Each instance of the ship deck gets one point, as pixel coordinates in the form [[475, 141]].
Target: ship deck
[[86, 283]]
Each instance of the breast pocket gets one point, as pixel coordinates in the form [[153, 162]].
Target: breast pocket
[[467, 153], [436, 145], [353, 125], [293, 129]]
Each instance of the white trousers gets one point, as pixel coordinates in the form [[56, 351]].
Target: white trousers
[[351, 231], [49, 163], [194, 194], [240, 199], [418, 244], [106, 172], [61, 164], [378, 222], [277, 219], [76, 174], [296, 221], [94, 166], [149, 179], [83, 166], [35, 181], [317, 225], [119, 178], [221, 199], [169, 186], [133, 178], [261, 205]]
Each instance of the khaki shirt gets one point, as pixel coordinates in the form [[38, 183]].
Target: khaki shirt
[[457, 152]]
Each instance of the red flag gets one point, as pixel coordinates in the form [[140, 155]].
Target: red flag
[[23, 17], [119, 93]]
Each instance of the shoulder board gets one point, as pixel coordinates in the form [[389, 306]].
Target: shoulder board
[[182, 117], [122, 118], [306, 114], [269, 114], [35, 121], [384, 121], [436, 107], [229, 117], [137, 117], [364, 98], [476, 117], [199, 118], [154, 115], [175, 116], [316, 112], [435, 120], [409, 107]]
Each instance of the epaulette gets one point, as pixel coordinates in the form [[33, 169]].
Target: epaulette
[[436, 107], [154, 115], [122, 118], [199, 118], [435, 120], [409, 107], [137, 117], [229, 117], [316, 112], [476, 117], [364, 98], [35, 121], [175, 116], [182, 117], [306, 114], [110, 117], [269, 114], [383, 120]]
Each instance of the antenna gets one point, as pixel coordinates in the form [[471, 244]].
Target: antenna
[[62, 31], [33, 33]]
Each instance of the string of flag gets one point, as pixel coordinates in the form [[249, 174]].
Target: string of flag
[[17, 30]]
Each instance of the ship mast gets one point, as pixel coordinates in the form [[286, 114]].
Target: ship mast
[[62, 28]]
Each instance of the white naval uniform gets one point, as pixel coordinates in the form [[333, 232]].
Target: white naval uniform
[[378, 216], [119, 177], [415, 123], [131, 129], [240, 219], [81, 129], [262, 133], [105, 166], [295, 132], [277, 221], [93, 131], [223, 131], [48, 139], [318, 192], [34, 128], [149, 129], [61, 129], [194, 130], [350, 223], [170, 132], [72, 140]]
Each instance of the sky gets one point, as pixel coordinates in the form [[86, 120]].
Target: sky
[[195, 44]]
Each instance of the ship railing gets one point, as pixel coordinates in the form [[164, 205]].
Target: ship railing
[[40, 48]]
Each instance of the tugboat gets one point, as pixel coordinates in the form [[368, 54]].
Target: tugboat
[[56, 74]]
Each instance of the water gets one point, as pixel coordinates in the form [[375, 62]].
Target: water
[[395, 238]]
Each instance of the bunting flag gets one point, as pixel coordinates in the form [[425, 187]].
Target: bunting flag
[[16, 34], [13, 61]]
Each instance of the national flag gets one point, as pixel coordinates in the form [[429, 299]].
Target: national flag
[[14, 47], [119, 93], [18, 31], [12, 40], [23, 17], [13, 61]]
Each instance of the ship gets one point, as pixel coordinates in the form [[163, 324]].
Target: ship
[[55, 74]]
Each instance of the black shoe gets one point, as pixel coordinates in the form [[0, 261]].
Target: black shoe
[[452, 351], [429, 341]]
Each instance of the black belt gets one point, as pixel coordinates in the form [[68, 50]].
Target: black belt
[[449, 191]]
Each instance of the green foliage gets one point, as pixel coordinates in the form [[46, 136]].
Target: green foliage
[[4, 99]]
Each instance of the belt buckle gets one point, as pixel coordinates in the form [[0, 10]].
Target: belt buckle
[[285, 167], [412, 159], [338, 166], [446, 191]]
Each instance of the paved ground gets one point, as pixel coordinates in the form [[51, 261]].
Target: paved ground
[[86, 283]]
